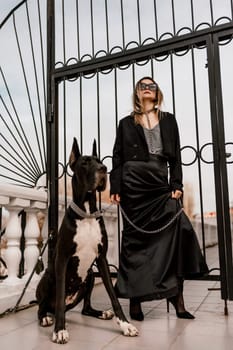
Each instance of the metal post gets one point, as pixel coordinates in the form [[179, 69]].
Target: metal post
[[223, 168], [52, 132], [219, 166]]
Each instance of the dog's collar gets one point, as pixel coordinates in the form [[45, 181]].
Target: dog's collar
[[83, 213]]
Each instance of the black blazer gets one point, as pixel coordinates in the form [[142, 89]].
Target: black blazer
[[130, 144]]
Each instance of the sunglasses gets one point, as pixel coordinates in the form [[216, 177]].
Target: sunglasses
[[151, 86]]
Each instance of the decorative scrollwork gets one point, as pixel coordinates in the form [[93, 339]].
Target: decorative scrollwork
[[192, 161], [208, 148], [204, 147]]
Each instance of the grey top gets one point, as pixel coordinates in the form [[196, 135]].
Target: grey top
[[153, 139]]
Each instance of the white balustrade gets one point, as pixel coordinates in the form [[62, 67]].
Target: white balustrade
[[14, 199], [31, 234], [13, 253]]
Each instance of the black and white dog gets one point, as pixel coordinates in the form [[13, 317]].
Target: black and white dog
[[82, 240]]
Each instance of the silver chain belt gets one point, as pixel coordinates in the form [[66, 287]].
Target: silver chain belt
[[153, 231], [99, 213]]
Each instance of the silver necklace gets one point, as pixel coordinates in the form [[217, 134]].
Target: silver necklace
[[150, 133]]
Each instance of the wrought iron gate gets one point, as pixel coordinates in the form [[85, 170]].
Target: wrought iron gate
[[89, 91], [209, 40]]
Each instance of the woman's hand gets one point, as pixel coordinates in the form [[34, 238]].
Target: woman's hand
[[176, 194], [115, 198]]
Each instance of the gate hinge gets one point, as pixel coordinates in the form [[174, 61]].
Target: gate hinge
[[50, 113]]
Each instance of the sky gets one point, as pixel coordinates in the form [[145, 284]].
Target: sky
[[182, 76], [6, 6]]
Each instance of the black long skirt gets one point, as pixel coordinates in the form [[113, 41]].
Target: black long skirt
[[151, 262]]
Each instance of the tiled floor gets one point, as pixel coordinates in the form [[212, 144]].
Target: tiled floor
[[160, 330]]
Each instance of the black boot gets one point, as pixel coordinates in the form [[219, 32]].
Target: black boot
[[178, 303], [135, 310]]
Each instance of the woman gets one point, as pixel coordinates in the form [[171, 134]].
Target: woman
[[159, 246]]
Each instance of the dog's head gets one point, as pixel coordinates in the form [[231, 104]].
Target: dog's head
[[89, 172]]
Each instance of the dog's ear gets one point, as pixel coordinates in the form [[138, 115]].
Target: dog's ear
[[74, 155], [94, 148]]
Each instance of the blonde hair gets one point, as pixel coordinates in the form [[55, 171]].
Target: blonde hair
[[137, 106]]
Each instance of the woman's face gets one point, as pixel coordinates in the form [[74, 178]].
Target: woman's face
[[147, 89]]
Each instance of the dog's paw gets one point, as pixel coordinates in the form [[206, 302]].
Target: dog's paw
[[107, 315], [46, 321], [60, 337], [127, 328]]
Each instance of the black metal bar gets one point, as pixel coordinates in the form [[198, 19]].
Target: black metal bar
[[224, 33], [217, 171], [192, 14], [78, 38], [63, 32], [81, 114], [52, 133], [22, 243], [173, 84], [198, 152], [139, 24], [152, 68], [156, 21], [64, 137], [37, 90], [226, 222], [98, 113], [92, 30], [116, 98], [116, 125], [133, 76], [123, 58], [43, 80], [122, 25], [211, 12], [173, 17], [160, 48], [107, 26]]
